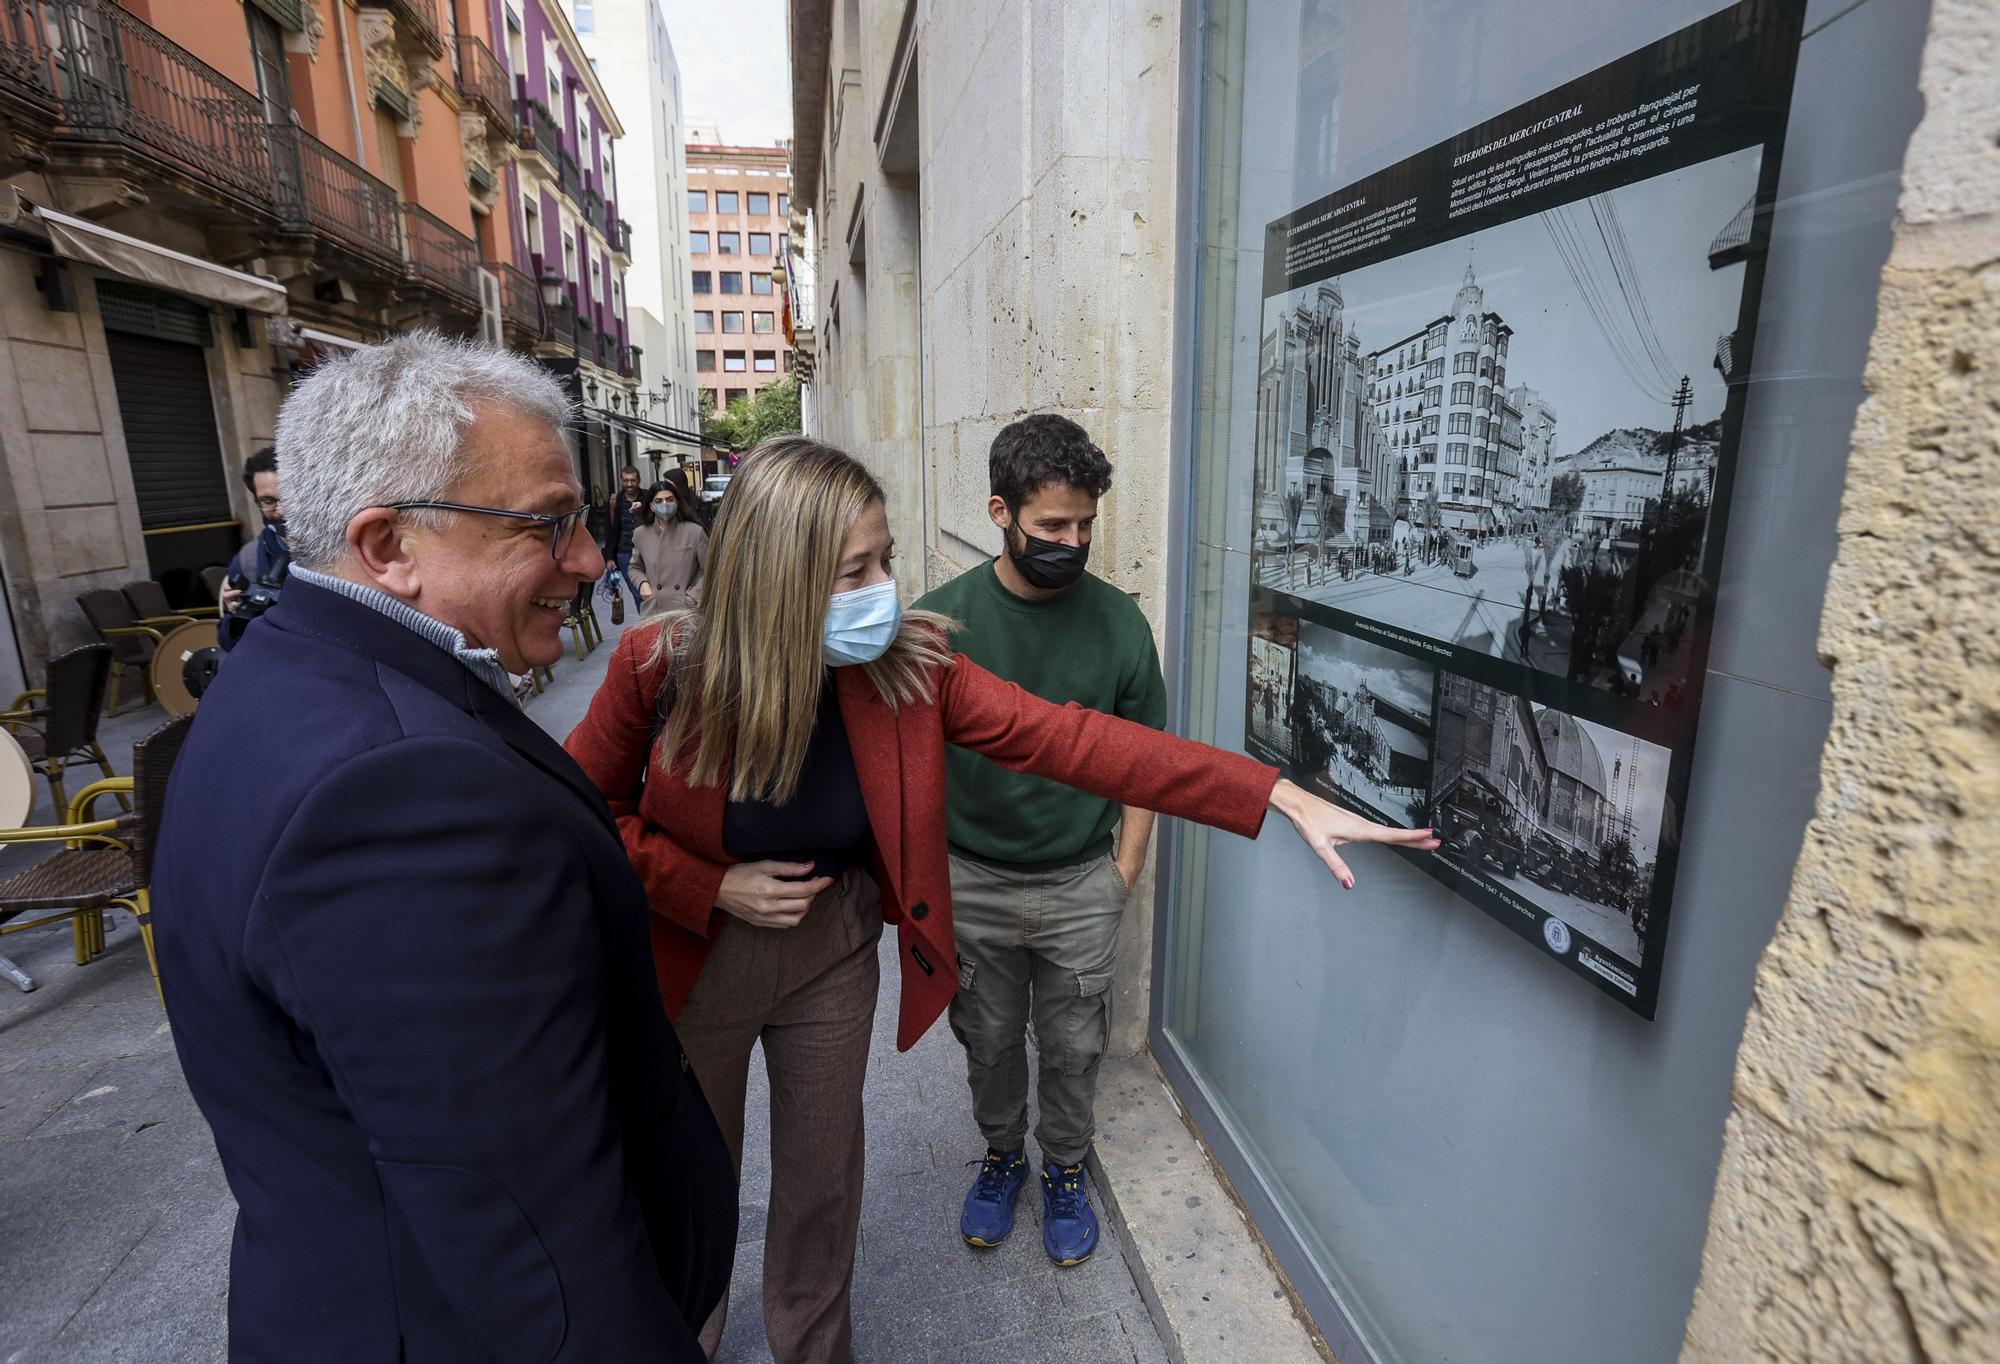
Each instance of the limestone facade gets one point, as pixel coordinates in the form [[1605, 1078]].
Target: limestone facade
[[1857, 1210], [994, 193]]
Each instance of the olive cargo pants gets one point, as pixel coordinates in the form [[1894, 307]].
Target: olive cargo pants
[[1041, 942]]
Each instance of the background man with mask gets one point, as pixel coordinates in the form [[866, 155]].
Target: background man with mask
[[1037, 889], [259, 569]]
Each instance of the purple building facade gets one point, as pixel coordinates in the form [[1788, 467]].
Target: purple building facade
[[562, 188]]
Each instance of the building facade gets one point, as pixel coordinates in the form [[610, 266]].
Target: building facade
[[633, 53], [1440, 396], [206, 197], [1436, 1137], [739, 207]]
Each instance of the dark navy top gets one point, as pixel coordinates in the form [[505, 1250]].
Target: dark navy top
[[826, 822]]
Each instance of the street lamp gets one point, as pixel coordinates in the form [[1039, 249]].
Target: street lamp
[[551, 283], [590, 389]]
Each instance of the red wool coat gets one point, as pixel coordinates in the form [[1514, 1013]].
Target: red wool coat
[[673, 831]]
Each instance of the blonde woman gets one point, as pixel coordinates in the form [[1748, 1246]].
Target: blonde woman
[[775, 758], [669, 547]]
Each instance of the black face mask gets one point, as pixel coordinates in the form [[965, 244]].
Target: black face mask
[[1047, 564]]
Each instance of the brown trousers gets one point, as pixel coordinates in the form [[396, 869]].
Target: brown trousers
[[808, 994]]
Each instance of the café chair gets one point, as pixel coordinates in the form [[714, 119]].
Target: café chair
[[56, 725], [105, 863], [132, 641], [148, 601]]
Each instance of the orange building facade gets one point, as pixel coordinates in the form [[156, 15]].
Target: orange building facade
[[200, 199], [739, 206]]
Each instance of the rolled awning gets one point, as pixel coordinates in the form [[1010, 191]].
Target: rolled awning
[[78, 240]]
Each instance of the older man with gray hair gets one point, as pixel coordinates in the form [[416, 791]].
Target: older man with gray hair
[[409, 967]]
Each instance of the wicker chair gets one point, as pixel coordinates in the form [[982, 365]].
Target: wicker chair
[[132, 641], [106, 863], [148, 601], [581, 622], [57, 725]]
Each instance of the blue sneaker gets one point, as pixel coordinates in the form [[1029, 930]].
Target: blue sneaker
[[1069, 1227], [989, 1206]]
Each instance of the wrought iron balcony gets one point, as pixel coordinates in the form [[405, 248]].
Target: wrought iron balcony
[[520, 300], [111, 81], [563, 325], [321, 191], [440, 255], [619, 233], [483, 80], [535, 128], [572, 177], [415, 19], [593, 208]]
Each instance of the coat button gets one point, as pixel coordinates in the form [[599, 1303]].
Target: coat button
[[920, 911]]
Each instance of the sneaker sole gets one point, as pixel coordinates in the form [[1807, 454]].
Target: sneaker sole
[[1071, 1264], [983, 1245]]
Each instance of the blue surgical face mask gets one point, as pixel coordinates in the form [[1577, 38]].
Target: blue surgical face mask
[[861, 625]]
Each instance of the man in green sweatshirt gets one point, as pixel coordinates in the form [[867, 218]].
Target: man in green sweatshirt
[[1040, 872]]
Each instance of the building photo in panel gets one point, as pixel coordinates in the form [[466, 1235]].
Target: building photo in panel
[[1509, 443]]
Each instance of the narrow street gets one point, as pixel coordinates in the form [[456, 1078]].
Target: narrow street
[[1481, 612], [118, 1221]]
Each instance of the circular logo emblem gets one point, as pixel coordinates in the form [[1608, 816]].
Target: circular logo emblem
[[1556, 934]]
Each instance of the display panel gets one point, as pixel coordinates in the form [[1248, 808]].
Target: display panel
[[1500, 390]]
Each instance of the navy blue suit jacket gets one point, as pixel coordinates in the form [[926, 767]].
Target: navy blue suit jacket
[[409, 974]]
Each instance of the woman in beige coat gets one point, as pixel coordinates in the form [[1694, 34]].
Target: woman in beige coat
[[669, 548]]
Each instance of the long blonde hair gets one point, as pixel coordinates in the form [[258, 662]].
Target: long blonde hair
[[745, 675]]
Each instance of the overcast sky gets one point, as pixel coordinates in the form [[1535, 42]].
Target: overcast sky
[[1556, 348], [735, 69]]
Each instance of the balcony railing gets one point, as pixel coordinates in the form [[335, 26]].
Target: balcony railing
[[520, 300], [535, 128], [27, 56], [320, 190], [572, 178], [562, 326], [118, 80], [619, 233], [419, 19], [483, 80], [593, 208], [440, 255]]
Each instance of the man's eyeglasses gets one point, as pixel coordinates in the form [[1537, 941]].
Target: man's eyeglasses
[[269, 503], [562, 525]]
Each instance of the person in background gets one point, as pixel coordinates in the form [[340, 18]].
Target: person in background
[[669, 547], [259, 568], [621, 523], [1040, 872], [775, 758], [403, 953]]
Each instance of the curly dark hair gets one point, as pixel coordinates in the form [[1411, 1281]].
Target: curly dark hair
[[1041, 450], [265, 461]]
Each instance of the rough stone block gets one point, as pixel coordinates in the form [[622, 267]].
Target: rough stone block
[[57, 390], [71, 469]]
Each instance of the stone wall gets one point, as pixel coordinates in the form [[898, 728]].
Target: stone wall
[[1857, 1210]]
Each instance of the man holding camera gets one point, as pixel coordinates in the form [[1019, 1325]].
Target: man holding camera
[[259, 569]]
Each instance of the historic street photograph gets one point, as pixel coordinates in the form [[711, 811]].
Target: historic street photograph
[[1566, 814], [1273, 680], [1509, 442], [1364, 724]]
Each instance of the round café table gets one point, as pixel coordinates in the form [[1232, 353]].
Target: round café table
[[17, 800]]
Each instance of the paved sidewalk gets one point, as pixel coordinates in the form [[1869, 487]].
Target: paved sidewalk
[[115, 1220]]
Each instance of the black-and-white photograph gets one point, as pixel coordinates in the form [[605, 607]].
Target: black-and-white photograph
[[1363, 727], [1274, 672], [1508, 442], [1563, 813]]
